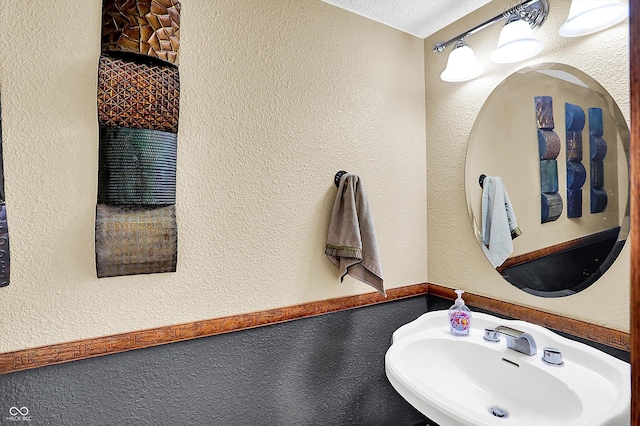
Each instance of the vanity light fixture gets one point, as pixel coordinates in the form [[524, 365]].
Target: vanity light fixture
[[462, 64], [590, 16], [516, 41]]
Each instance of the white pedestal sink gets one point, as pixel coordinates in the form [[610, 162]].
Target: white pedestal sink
[[469, 381]]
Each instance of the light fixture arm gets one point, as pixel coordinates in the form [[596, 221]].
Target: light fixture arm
[[533, 12]]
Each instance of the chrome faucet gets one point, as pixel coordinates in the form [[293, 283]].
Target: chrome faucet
[[518, 340]]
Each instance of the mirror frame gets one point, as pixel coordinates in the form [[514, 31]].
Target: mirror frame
[[634, 160]]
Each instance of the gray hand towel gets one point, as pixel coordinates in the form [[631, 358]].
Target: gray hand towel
[[499, 225], [351, 242]]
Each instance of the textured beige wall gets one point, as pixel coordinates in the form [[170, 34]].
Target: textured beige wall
[[276, 96], [455, 258]]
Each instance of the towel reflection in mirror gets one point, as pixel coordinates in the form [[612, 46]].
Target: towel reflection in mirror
[[499, 224]]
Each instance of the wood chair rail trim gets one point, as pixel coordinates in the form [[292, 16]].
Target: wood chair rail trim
[[93, 347]]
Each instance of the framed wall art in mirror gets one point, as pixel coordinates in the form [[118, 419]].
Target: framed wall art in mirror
[[561, 257]]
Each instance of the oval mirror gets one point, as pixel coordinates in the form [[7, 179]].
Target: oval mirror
[[559, 144]]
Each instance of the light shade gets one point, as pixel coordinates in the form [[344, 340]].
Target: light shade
[[516, 43], [590, 16], [461, 65]]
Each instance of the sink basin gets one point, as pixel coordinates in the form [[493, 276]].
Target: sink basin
[[468, 381]]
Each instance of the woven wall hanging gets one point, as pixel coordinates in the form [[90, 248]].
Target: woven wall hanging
[[136, 167], [576, 172], [598, 152], [135, 240], [138, 95], [548, 149], [4, 228], [138, 111], [146, 27]]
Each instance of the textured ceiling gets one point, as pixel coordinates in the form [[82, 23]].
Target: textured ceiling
[[420, 18]]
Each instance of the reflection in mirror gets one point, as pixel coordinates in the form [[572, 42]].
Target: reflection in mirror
[[566, 255]]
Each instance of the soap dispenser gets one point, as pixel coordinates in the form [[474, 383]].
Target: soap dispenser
[[459, 317]]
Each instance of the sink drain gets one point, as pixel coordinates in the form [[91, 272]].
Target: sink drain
[[498, 412]]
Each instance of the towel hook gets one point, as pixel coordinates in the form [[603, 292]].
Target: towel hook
[[481, 180], [337, 177]]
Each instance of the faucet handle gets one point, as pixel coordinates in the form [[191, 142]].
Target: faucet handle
[[491, 335], [552, 356]]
